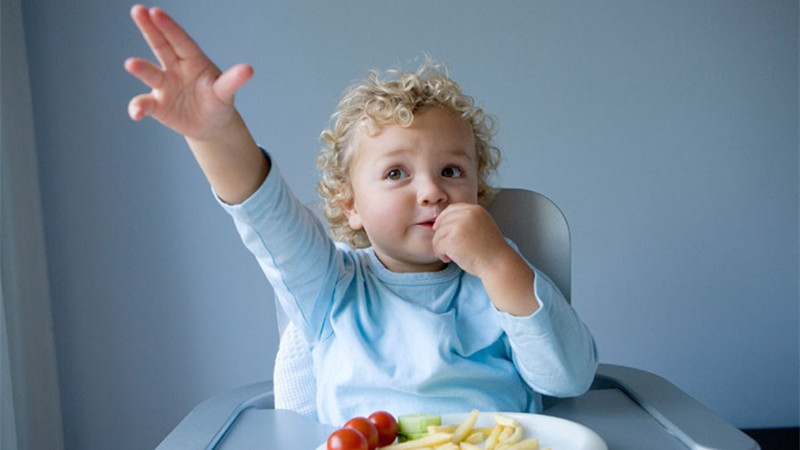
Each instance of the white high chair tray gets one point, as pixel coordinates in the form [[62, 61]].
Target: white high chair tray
[[629, 409]]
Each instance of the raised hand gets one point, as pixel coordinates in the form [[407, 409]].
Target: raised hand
[[189, 93], [193, 97]]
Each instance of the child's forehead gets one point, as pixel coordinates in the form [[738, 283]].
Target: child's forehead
[[454, 138], [438, 117]]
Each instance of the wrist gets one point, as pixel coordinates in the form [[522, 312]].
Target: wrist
[[220, 133], [231, 160], [501, 264], [509, 282]]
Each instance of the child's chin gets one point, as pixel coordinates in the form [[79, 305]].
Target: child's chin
[[431, 264]]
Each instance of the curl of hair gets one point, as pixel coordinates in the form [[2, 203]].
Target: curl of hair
[[393, 99]]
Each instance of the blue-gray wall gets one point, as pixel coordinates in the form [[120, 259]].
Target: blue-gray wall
[[666, 130]]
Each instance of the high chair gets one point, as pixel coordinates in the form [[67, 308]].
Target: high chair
[[629, 408]]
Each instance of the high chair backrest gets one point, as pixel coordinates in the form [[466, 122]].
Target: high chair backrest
[[531, 220], [540, 230]]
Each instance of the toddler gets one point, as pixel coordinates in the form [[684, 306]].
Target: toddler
[[420, 305]]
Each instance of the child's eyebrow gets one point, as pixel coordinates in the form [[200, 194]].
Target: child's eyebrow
[[452, 151], [459, 151]]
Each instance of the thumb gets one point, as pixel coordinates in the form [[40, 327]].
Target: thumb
[[231, 80]]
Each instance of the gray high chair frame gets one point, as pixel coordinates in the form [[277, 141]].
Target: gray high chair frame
[[541, 231]]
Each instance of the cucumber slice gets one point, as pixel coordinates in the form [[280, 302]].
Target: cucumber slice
[[410, 437], [414, 424]]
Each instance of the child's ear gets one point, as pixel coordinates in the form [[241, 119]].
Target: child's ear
[[351, 212]]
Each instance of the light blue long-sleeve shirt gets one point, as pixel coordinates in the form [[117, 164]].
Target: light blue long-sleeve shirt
[[408, 342]]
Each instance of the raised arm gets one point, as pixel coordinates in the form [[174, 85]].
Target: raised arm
[[193, 97]]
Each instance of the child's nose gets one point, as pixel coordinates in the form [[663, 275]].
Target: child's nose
[[430, 192]]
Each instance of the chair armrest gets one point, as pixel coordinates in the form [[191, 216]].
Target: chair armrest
[[681, 415], [206, 424]]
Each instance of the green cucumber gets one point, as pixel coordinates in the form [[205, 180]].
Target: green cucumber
[[410, 437], [415, 424]]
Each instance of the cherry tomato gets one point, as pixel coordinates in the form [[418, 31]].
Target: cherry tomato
[[386, 425], [347, 439], [366, 428]]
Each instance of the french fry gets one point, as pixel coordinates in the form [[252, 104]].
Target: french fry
[[417, 444], [464, 445], [484, 430], [505, 434], [527, 444], [476, 437], [514, 437], [447, 446], [505, 421], [463, 430], [491, 441], [441, 428]]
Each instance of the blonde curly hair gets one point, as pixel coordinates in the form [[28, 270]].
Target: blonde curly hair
[[393, 99]]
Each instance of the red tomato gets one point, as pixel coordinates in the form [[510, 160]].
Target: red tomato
[[366, 428], [347, 439], [386, 425]]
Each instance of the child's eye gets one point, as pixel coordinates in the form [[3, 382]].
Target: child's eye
[[451, 172], [396, 174]]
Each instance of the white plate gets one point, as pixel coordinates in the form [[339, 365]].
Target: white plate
[[552, 432]]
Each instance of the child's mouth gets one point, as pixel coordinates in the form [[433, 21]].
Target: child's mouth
[[429, 219]]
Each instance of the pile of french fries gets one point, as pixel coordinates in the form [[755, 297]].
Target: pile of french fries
[[506, 434]]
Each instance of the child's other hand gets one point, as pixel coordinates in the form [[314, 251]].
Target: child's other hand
[[189, 93], [467, 235]]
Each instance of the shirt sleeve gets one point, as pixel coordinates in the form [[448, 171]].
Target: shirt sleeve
[[552, 348], [292, 248]]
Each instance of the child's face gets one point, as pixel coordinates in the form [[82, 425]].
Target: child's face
[[402, 178]]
